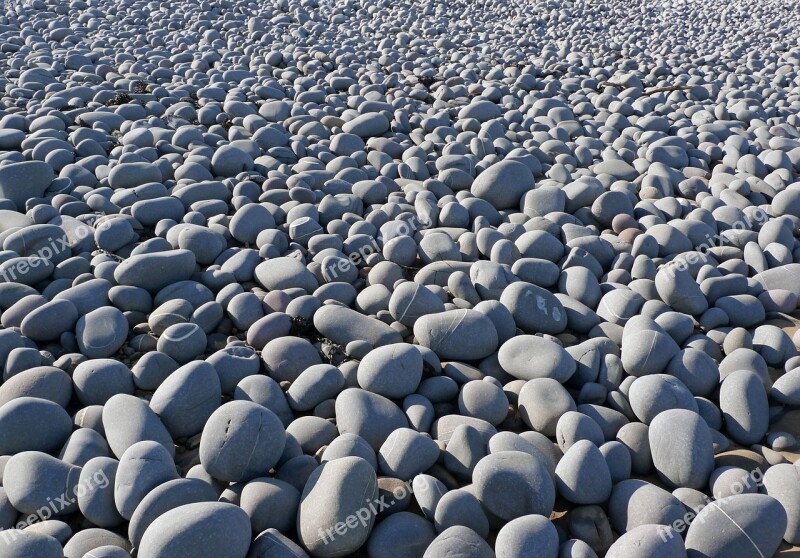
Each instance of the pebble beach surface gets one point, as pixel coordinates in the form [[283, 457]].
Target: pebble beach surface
[[399, 279]]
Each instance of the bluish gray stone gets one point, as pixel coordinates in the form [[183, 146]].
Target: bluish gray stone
[[682, 449], [88, 540], [241, 441], [542, 401], [152, 369], [503, 184], [182, 342], [42, 382], [266, 392], [96, 502], [272, 544], [657, 541], [25, 543], [402, 535], [24, 180], [142, 467], [49, 321], [163, 498], [369, 415], [657, 393], [102, 332], [128, 420], [582, 476], [315, 384], [461, 507], [187, 398], [410, 301], [32, 424], [393, 371], [457, 334], [527, 357], [535, 310], [349, 444], [512, 484], [270, 504], [484, 400], [97, 380], [573, 426], [157, 270], [407, 453], [781, 481], [129, 175], [33, 479], [285, 273], [287, 357], [745, 407], [635, 502], [335, 491], [343, 325], [198, 530], [739, 526], [529, 535], [459, 541], [83, 445]]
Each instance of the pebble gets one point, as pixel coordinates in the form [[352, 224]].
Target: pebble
[[484, 400], [198, 529], [682, 449], [343, 325], [513, 484], [582, 476], [240, 441], [461, 507], [32, 424], [187, 398], [410, 301], [335, 493], [526, 536], [287, 357], [23, 543], [403, 534], [406, 454], [780, 482], [653, 394], [102, 332], [33, 479], [393, 371], [97, 503], [503, 184], [141, 468], [658, 541], [270, 504], [23, 180], [527, 357], [152, 272], [369, 415], [457, 334], [512, 251], [635, 502], [314, 385], [127, 420], [88, 540], [745, 407], [750, 523], [542, 401], [41, 382], [98, 380], [535, 310], [459, 541], [271, 543]]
